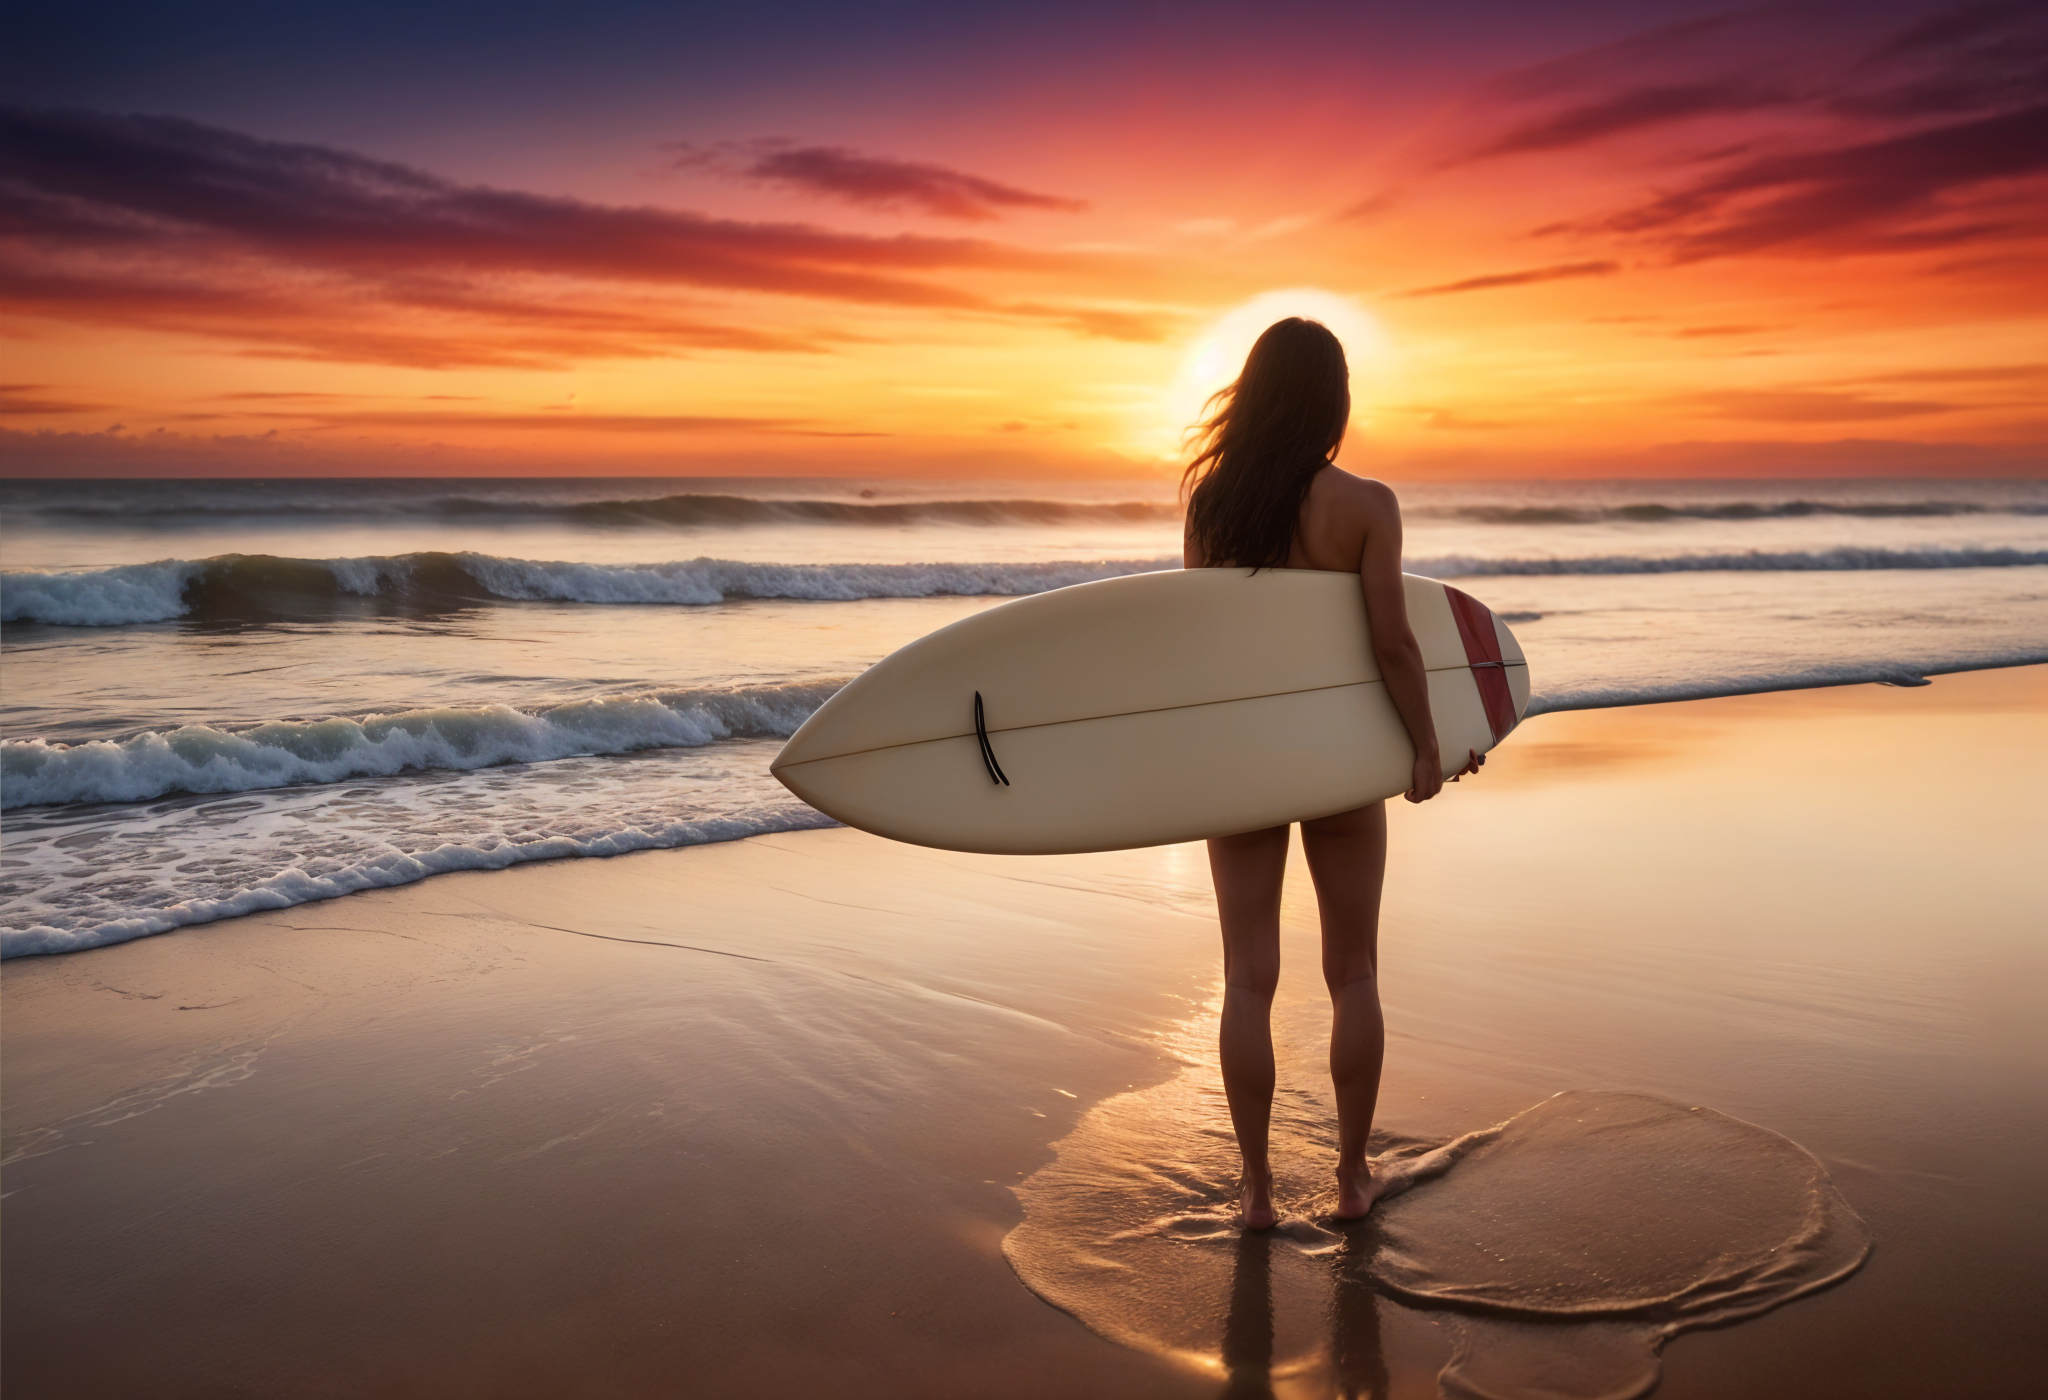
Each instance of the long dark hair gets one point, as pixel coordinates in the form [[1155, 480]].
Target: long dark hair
[[1263, 442]]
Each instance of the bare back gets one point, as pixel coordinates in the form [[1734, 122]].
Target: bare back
[[1341, 517]]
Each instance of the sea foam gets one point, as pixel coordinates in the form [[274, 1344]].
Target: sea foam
[[156, 912], [200, 758], [247, 586]]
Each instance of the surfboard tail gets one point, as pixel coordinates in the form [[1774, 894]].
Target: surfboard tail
[[1489, 667]]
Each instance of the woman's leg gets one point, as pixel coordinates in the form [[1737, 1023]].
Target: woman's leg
[[1347, 857], [1248, 869]]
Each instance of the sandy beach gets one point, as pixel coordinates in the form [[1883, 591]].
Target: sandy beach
[[509, 520], [757, 1118]]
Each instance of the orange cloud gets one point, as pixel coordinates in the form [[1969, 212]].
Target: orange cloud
[[1554, 273]]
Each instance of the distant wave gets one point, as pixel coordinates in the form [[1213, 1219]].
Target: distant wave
[[707, 510], [1743, 561], [257, 586], [202, 758], [1651, 513], [260, 586], [683, 510]]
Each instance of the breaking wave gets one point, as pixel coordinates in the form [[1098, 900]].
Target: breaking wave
[[200, 758], [260, 586], [390, 867]]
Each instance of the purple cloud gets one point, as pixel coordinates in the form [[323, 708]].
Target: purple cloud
[[306, 251], [1861, 194], [875, 181], [1633, 109]]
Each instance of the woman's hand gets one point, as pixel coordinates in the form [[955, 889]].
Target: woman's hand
[[1427, 778], [1426, 781]]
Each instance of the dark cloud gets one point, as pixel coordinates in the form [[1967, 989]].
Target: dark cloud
[[275, 315], [128, 179], [1867, 194], [1974, 58], [1554, 273], [28, 399], [304, 251], [1633, 109], [1959, 26], [1879, 139], [875, 181], [1805, 59], [1664, 50]]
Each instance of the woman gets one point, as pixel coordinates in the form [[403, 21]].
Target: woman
[[1263, 493]]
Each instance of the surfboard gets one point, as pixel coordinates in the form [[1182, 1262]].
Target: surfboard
[[1149, 709]]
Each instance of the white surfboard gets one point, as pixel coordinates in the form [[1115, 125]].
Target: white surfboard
[[1149, 709]]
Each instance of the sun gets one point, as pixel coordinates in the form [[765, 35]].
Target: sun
[[1215, 356]]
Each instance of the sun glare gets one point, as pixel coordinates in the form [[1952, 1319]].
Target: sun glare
[[1215, 356]]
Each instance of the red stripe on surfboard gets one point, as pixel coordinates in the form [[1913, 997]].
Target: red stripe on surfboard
[[1482, 652]]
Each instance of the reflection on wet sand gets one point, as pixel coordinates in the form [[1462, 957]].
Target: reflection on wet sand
[[1358, 1363], [1357, 1369], [1568, 1243], [1248, 1327]]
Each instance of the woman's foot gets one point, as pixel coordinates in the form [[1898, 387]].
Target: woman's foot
[[1255, 1202], [1358, 1191]]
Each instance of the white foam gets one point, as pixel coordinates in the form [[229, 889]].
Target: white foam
[[98, 597], [200, 758], [1605, 695], [394, 867]]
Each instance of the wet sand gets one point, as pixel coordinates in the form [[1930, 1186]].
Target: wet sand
[[753, 1119]]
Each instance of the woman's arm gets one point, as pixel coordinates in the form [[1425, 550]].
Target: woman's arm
[[1393, 640]]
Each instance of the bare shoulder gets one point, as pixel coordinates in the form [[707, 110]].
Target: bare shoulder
[[1361, 498], [1340, 520]]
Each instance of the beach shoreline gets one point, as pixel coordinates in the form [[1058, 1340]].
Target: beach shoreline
[[747, 1118]]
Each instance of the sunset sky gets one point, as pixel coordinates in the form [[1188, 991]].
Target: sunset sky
[[1603, 239]]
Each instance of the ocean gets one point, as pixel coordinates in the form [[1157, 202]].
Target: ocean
[[223, 696]]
